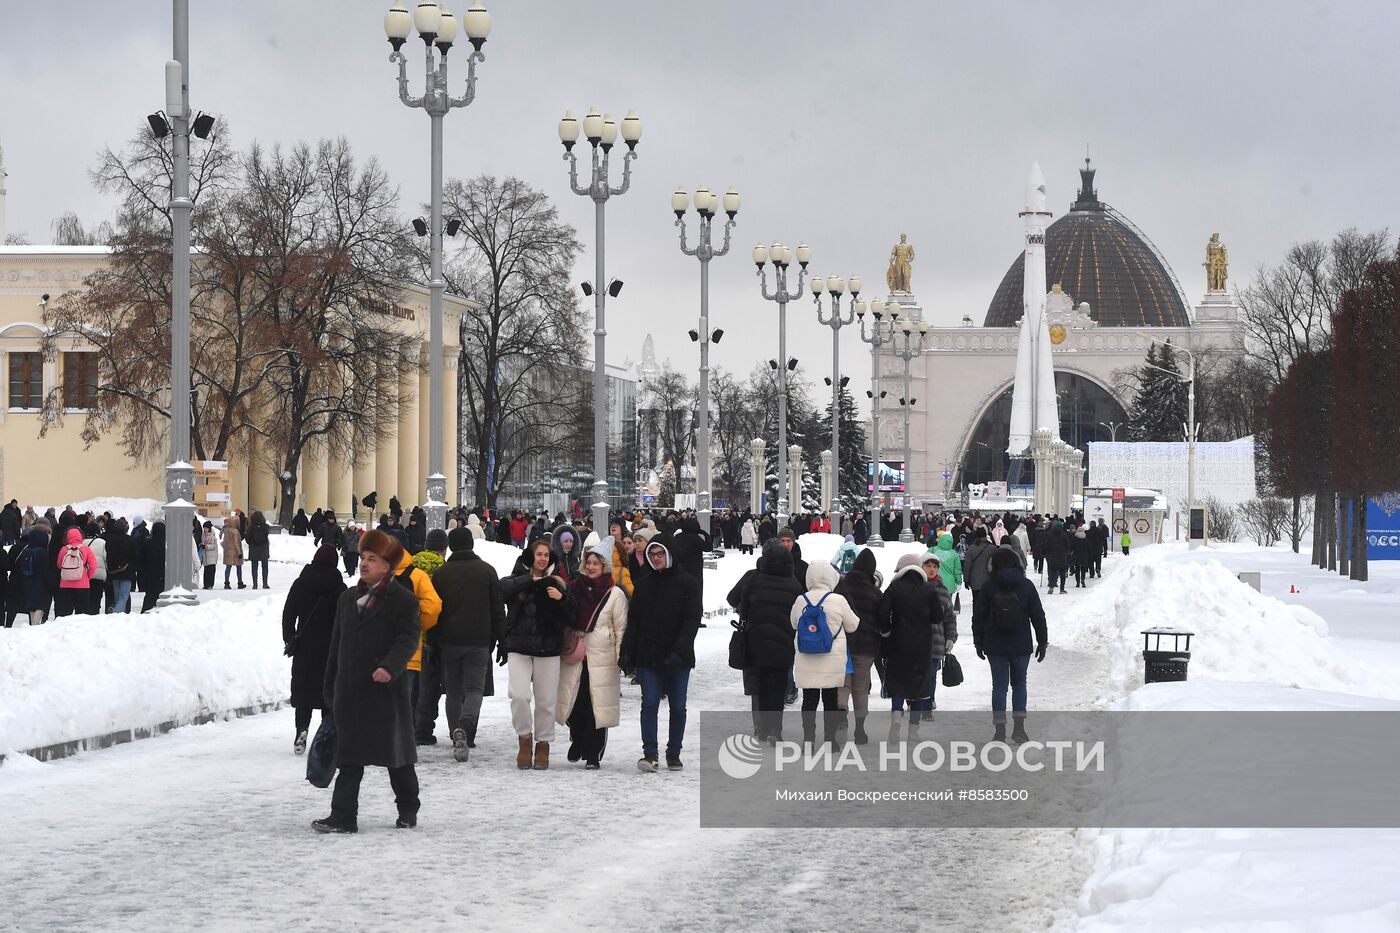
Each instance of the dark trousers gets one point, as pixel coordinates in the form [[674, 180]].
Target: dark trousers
[[231, 567], [1008, 670], [673, 683], [96, 590], [427, 694], [770, 689], [1059, 574], [151, 594], [831, 716], [464, 673], [351, 559], [345, 800], [303, 714], [1125, 550], [69, 600], [1097, 569], [209, 570], [1079, 571], [584, 735], [1039, 560], [259, 562]]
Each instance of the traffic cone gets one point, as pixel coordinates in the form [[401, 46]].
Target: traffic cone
[[1292, 588]]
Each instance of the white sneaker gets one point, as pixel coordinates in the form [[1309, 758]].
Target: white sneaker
[[299, 746]]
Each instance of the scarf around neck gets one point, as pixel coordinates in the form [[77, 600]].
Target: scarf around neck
[[369, 595], [589, 595]]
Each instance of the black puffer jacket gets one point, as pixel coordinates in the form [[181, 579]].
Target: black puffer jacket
[[1057, 546], [535, 621], [986, 634], [307, 619], [864, 596], [766, 609], [916, 632], [1084, 548], [662, 620]]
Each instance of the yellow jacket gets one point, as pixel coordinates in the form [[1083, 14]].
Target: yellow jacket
[[622, 575], [429, 605]]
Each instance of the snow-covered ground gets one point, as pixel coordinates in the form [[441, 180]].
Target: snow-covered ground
[[207, 827]]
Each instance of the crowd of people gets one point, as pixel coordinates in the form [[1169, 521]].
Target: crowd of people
[[579, 612]]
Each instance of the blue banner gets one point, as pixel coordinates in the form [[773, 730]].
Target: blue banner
[[1383, 527]]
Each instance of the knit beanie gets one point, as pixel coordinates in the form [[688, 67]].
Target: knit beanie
[[436, 540], [460, 539], [377, 542], [909, 560], [325, 554], [786, 532], [604, 550]]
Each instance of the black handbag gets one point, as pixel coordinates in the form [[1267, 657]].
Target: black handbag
[[952, 671], [320, 757], [738, 647]]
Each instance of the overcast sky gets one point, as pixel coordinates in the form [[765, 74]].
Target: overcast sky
[[842, 124]]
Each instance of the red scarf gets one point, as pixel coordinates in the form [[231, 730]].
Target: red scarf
[[589, 595]]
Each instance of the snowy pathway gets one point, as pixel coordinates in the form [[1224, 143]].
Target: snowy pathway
[[207, 828]]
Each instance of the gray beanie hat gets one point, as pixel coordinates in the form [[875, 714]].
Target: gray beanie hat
[[909, 560]]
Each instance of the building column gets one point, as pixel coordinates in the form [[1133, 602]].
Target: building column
[[451, 460], [262, 483], [314, 485], [238, 470], [408, 481], [386, 463], [367, 456], [340, 483]]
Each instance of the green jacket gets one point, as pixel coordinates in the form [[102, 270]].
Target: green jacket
[[949, 564]]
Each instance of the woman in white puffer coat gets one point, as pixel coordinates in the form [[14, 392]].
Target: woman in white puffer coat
[[820, 676], [589, 689]]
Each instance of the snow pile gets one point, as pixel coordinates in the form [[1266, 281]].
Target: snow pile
[[83, 676], [1240, 635], [151, 510]]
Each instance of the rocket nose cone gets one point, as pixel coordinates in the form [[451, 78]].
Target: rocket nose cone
[[1035, 189]]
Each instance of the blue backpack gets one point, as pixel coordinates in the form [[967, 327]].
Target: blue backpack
[[814, 634], [29, 561]]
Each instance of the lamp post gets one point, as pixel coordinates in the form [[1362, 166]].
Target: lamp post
[[878, 336], [912, 348], [704, 250], [835, 287], [179, 473], [781, 257], [601, 132], [1113, 427], [437, 27]]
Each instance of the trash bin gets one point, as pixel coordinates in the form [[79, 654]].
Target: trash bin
[[1165, 665]]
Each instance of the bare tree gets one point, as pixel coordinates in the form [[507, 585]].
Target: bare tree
[[1266, 519], [669, 415], [327, 256], [734, 425], [516, 401], [68, 230]]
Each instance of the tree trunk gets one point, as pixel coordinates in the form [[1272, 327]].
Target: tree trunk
[[1360, 559], [1296, 531], [287, 508], [1331, 520], [1344, 536], [1319, 545]]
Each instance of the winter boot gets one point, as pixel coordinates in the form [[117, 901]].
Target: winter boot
[[522, 757], [860, 737], [1000, 734], [673, 763], [460, 752], [647, 764], [573, 754], [406, 821], [299, 746], [1018, 734], [335, 824], [896, 721], [229, 586], [914, 722], [541, 756]]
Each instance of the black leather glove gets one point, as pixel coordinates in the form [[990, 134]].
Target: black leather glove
[[674, 660], [289, 648], [501, 657], [1040, 651], [980, 653]]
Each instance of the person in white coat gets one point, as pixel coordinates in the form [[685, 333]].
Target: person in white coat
[[590, 687], [820, 676], [748, 537]]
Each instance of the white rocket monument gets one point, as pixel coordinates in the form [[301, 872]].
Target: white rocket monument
[[1033, 401]]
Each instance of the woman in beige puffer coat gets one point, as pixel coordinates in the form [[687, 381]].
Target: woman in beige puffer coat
[[820, 676], [603, 626], [233, 551]]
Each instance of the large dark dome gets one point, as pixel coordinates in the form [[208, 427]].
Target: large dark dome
[[1097, 256]]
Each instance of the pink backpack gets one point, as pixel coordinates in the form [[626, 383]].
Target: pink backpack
[[71, 566]]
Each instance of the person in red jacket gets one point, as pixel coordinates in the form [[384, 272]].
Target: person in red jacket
[[76, 566], [519, 528]]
